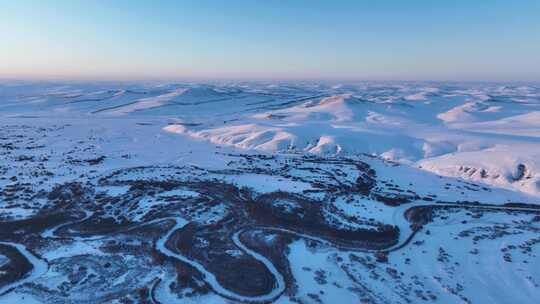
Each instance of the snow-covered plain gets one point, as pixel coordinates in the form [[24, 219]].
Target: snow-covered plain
[[280, 192]]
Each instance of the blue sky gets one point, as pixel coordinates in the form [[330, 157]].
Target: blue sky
[[295, 39]]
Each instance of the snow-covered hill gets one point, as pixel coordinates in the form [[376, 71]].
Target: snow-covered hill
[[488, 133]]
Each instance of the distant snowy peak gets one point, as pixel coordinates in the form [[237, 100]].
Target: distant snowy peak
[[143, 103], [347, 100], [423, 94], [178, 96], [336, 108], [203, 92], [336, 100], [470, 111]]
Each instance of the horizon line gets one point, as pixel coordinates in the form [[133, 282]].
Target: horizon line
[[65, 78]]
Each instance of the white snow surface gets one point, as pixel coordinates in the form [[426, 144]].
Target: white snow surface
[[481, 132], [487, 133]]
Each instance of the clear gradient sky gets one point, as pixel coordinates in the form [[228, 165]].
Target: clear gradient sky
[[490, 40]]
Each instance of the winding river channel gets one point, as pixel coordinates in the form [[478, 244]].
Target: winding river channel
[[40, 266]]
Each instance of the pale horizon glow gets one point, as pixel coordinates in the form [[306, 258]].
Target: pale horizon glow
[[301, 40]]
